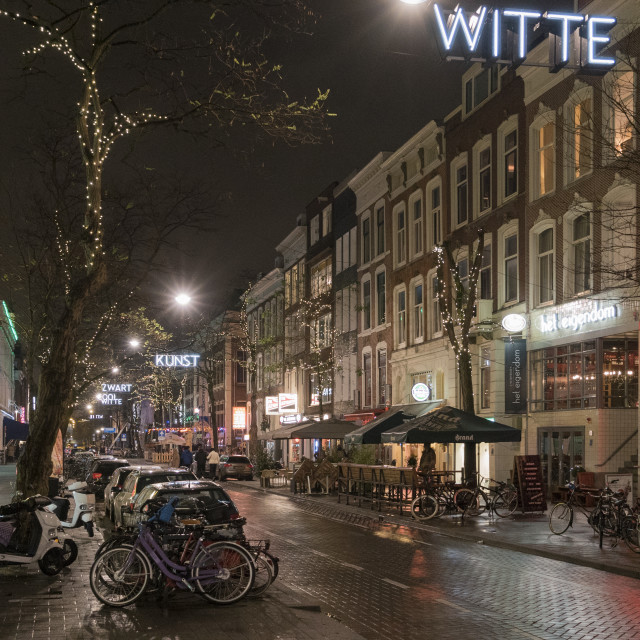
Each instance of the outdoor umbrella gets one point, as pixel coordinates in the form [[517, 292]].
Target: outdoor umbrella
[[323, 429], [371, 432], [446, 425]]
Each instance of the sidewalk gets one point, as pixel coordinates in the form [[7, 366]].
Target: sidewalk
[[524, 533]]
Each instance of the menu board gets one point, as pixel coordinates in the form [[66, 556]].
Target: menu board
[[528, 476]]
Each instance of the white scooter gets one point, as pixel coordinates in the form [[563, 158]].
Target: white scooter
[[85, 504], [45, 541]]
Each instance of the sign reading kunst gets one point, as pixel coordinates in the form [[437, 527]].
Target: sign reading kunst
[[507, 35], [171, 360], [515, 376]]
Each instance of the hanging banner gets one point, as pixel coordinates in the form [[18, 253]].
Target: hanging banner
[[515, 376], [271, 405]]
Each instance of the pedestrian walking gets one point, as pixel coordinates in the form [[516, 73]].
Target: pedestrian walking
[[427, 460], [201, 461], [186, 458], [214, 460]]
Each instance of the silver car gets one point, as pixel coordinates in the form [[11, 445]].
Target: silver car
[[116, 483], [124, 502]]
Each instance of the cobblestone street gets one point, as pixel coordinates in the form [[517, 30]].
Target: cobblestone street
[[345, 575]]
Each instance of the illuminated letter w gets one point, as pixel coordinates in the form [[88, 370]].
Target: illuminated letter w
[[471, 29]]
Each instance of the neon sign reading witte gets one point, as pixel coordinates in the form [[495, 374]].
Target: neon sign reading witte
[[462, 35]]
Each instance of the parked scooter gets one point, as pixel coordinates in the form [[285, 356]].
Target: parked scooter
[[31, 532], [85, 504]]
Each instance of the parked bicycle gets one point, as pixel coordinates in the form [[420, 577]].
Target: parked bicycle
[[222, 572], [562, 514], [440, 498], [491, 496]]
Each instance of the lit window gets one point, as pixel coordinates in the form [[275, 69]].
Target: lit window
[[510, 163], [580, 148], [321, 278], [546, 163], [623, 113]]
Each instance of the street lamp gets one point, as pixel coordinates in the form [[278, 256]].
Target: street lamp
[[134, 342], [183, 299]]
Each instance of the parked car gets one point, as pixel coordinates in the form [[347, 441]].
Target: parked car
[[239, 467], [193, 497], [100, 472], [116, 482], [124, 501]]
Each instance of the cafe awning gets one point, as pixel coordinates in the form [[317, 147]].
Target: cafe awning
[[310, 429], [446, 425], [371, 432]]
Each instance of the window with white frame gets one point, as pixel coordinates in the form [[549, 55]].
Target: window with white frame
[[581, 252], [381, 283], [345, 310], [485, 288], [436, 318], [510, 267], [366, 240], [435, 216], [507, 159], [483, 177], [545, 271], [382, 377], [314, 229], [326, 221], [380, 240], [366, 304], [321, 334], [366, 379], [463, 272], [416, 227], [622, 112], [321, 277], [418, 312], [401, 236], [618, 235], [401, 317], [579, 114], [485, 378], [482, 83], [543, 165], [345, 250], [460, 192]]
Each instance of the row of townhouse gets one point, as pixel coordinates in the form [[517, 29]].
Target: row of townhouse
[[544, 167]]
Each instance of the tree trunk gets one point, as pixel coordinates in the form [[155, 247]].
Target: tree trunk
[[55, 392], [468, 405], [253, 423]]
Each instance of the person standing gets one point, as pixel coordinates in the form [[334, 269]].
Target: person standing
[[175, 457], [214, 460], [427, 460], [186, 457], [201, 461]]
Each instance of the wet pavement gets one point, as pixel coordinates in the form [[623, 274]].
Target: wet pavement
[[349, 572]]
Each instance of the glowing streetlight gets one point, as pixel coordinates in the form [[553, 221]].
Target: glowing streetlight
[[183, 299], [414, 1], [115, 370], [134, 342], [89, 407]]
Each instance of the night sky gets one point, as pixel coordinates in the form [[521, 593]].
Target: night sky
[[380, 61]]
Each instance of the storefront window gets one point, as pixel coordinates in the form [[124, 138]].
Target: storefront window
[[566, 377]]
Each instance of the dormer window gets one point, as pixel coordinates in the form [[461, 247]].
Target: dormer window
[[479, 87]]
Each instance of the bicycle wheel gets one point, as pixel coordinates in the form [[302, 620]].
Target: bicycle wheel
[[116, 584], [224, 572], [264, 576], [274, 562], [560, 518], [505, 502], [466, 501], [424, 508], [630, 533]]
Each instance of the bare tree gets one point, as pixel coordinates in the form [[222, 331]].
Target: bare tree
[[197, 66]]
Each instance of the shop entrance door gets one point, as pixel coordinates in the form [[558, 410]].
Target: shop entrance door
[[561, 449]]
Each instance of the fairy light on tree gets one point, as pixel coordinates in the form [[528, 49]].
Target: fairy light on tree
[[457, 302], [247, 91]]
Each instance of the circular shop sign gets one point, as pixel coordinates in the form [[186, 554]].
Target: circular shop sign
[[420, 392], [514, 323]]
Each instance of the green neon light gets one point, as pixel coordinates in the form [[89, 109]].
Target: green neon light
[[11, 325]]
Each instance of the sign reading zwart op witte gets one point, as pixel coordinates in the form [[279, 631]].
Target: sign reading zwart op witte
[[507, 35], [515, 376]]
